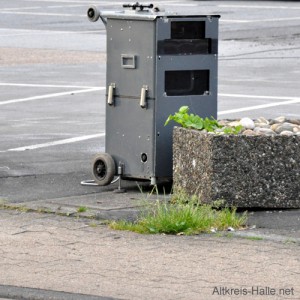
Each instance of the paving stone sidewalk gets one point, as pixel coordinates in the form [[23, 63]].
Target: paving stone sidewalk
[[73, 255]]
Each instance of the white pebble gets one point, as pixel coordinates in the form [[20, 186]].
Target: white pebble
[[247, 123]]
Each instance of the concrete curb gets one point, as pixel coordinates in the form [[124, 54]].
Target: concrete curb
[[278, 225]]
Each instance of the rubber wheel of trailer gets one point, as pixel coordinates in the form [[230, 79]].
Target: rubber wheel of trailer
[[104, 168]]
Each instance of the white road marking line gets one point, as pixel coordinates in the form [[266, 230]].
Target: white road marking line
[[48, 30], [258, 97], [5, 168], [64, 6], [40, 7], [56, 143], [47, 85], [41, 14], [23, 8], [66, 1], [51, 95], [102, 3], [260, 20], [288, 100], [23, 32], [258, 6]]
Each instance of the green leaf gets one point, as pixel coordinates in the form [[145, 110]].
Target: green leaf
[[168, 120], [153, 230], [184, 109]]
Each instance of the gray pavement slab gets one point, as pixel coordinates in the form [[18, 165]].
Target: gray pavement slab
[[46, 252], [106, 205]]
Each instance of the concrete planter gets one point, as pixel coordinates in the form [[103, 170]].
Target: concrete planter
[[245, 171]]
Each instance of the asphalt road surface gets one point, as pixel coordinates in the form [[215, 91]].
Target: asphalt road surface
[[52, 80]]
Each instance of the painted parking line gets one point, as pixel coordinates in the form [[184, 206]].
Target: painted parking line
[[8, 32], [260, 21], [56, 143], [102, 2], [47, 96], [258, 96], [287, 101], [42, 7], [41, 14], [47, 85], [23, 8], [259, 6], [71, 1]]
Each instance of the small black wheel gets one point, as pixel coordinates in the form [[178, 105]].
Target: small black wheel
[[104, 168]]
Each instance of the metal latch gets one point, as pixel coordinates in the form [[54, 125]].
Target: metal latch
[[110, 96], [143, 96]]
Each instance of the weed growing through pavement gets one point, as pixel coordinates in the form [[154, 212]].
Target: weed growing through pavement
[[81, 209], [184, 215]]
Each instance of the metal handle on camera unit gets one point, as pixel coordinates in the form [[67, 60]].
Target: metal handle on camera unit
[[143, 96], [110, 95]]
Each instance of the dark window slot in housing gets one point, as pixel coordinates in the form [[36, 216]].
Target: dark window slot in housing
[[182, 30], [184, 47], [179, 83], [186, 38]]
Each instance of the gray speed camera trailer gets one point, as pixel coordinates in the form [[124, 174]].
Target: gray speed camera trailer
[[156, 63]]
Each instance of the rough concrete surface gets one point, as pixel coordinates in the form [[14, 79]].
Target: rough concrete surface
[[245, 171], [17, 56], [67, 254]]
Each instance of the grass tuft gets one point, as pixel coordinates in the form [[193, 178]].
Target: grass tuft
[[185, 215], [81, 209]]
